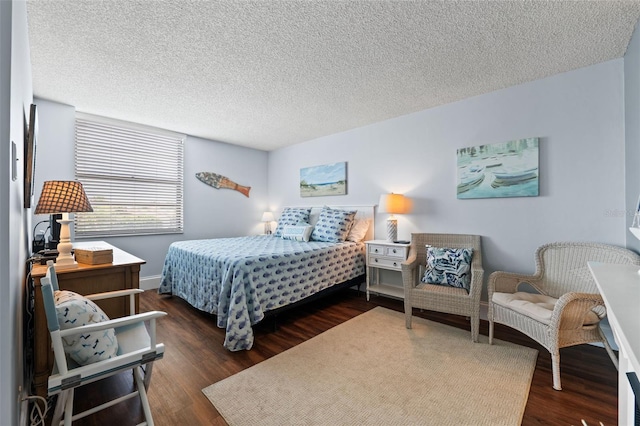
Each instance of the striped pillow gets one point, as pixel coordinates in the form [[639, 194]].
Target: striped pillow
[[292, 216], [299, 232]]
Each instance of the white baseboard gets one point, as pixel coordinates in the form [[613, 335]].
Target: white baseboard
[[484, 310], [24, 413], [150, 283], [26, 402]]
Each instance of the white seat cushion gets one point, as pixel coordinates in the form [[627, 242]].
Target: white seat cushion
[[132, 337], [536, 306]]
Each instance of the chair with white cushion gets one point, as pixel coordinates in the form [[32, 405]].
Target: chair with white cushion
[[88, 346], [567, 309]]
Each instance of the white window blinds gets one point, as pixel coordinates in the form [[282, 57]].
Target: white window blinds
[[132, 175]]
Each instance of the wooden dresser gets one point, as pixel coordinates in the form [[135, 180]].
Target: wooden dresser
[[123, 273]]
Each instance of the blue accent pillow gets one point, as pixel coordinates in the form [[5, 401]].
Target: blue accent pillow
[[448, 266], [291, 216], [333, 225], [299, 232]]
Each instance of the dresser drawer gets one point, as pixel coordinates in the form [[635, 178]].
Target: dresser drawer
[[385, 262]]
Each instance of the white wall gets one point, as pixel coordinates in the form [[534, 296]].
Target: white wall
[[579, 119], [208, 212], [632, 131], [15, 99]]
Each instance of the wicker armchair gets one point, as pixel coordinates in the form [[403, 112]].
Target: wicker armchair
[[441, 298], [568, 310]]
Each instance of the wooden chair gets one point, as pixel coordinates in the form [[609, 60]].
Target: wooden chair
[[568, 309], [441, 298], [137, 350]]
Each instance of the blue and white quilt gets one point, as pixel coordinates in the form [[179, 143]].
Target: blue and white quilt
[[239, 279]]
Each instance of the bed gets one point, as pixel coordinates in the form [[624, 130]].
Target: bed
[[240, 280]]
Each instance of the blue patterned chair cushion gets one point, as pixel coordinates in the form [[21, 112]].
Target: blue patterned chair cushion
[[291, 216], [333, 225], [448, 266], [74, 310], [300, 232]]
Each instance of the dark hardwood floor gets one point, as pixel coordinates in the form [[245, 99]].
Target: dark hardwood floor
[[195, 358]]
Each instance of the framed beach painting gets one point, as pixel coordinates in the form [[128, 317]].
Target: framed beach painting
[[507, 169], [30, 155], [327, 179]]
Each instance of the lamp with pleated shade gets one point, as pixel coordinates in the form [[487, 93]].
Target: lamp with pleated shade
[[63, 196], [394, 204]]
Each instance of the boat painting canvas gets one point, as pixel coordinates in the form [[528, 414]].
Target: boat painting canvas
[[499, 170], [328, 179]]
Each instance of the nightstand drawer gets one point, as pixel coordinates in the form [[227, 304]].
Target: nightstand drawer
[[399, 252], [376, 249], [385, 255], [390, 251], [385, 262]]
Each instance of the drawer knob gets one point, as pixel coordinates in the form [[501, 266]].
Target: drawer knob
[[394, 250], [395, 264], [375, 260]]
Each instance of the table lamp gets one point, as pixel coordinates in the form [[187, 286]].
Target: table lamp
[[60, 196], [267, 218], [394, 204]]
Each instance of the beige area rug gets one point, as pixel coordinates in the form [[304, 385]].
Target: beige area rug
[[371, 370]]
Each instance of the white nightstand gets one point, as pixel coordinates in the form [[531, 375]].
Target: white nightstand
[[382, 254]]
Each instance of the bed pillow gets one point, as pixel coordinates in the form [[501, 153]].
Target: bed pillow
[[300, 232], [333, 225], [74, 310], [291, 216], [448, 266], [358, 231]]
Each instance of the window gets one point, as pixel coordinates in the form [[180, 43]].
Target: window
[[132, 175]]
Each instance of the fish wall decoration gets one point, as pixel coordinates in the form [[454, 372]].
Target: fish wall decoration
[[219, 181]]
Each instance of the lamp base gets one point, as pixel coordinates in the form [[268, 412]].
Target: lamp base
[[65, 259], [64, 263], [392, 229]]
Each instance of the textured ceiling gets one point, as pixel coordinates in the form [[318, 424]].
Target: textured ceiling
[[267, 74]]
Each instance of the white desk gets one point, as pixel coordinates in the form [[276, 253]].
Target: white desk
[[619, 286]]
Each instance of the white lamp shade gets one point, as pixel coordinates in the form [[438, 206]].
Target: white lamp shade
[[394, 204], [267, 217]]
